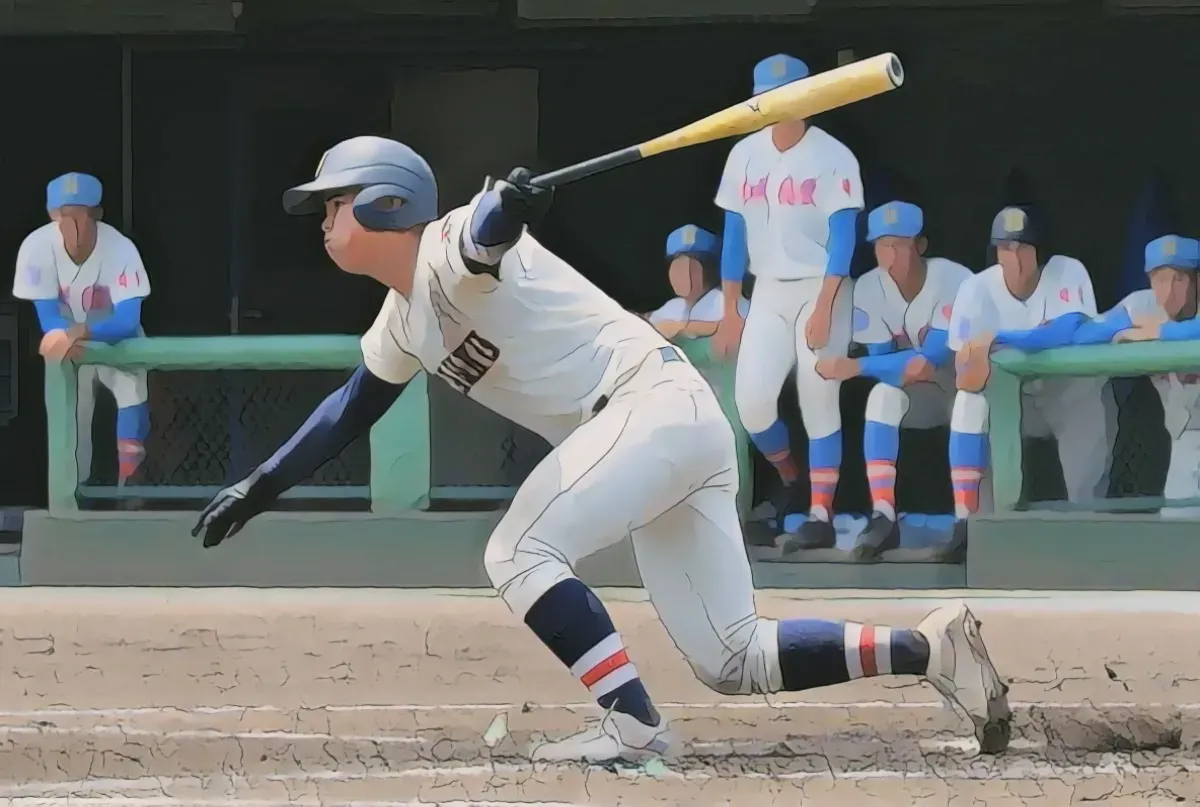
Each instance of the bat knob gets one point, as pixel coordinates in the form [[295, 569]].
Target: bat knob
[[895, 70]]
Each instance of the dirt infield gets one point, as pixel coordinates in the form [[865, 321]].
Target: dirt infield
[[240, 697]]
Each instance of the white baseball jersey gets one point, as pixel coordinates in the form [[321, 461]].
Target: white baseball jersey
[[786, 199], [87, 293], [985, 305], [881, 314], [538, 346], [1180, 391], [709, 308]]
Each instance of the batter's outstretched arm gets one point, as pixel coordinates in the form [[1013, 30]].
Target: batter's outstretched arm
[[1103, 330], [348, 412], [1058, 332], [501, 215], [735, 261]]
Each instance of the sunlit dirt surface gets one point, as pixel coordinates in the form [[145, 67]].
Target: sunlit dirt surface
[[181, 698]]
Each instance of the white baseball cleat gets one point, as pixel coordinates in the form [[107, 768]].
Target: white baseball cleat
[[616, 736], [960, 669]]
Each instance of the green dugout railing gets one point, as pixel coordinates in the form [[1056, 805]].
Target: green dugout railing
[[1012, 368], [400, 442]]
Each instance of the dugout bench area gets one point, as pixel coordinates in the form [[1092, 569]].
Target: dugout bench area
[[397, 530]]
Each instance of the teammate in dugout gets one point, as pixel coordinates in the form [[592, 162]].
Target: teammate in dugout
[[87, 283], [1166, 311], [696, 309], [791, 195], [1031, 302], [902, 312], [641, 449]]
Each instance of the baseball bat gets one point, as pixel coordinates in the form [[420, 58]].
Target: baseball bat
[[799, 99]]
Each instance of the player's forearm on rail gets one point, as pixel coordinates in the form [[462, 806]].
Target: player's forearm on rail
[[1103, 331], [886, 367], [735, 261], [935, 347], [50, 316], [1058, 332], [1183, 331], [124, 323], [348, 412]]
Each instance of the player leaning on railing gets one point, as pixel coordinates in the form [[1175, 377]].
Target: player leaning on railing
[[1166, 311], [642, 449], [87, 282]]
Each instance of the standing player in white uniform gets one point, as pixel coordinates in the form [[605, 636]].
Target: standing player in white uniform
[[1029, 302], [87, 282], [902, 312], [642, 449], [791, 194], [1166, 311], [697, 307]]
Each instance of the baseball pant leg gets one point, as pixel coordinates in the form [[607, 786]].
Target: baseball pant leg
[[765, 358], [1081, 413], [1183, 476], [129, 390], [85, 409]]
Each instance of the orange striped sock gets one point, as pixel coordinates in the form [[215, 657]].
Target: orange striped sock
[[881, 475], [824, 483], [966, 482]]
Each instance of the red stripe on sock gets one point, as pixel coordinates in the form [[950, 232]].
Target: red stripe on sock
[[615, 661], [866, 651]]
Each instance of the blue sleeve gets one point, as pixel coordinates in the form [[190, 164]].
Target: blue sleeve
[[880, 348], [887, 367], [1180, 331], [936, 347], [50, 316], [843, 233], [123, 324], [491, 225], [337, 420], [1058, 332], [735, 256], [1102, 331]]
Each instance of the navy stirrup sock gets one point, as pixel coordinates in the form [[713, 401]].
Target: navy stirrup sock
[[817, 653], [574, 624]]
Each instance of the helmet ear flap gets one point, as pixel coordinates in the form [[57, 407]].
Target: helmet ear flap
[[381, 207]]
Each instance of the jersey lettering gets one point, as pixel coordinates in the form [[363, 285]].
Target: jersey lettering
[[468, 363]]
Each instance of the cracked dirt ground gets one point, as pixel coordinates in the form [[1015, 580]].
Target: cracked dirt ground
[[307, 697]]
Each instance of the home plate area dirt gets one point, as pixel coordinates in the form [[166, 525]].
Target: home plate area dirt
[[180, 698]]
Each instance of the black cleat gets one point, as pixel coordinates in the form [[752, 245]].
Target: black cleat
[[955, 550], [880, 535], [787, 500], [813, 534]]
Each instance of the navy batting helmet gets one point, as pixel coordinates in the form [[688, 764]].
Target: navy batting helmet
[[396, 188], [1017, 224]]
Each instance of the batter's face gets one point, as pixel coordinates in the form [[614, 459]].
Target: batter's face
[[1174, 289], [78, 227], [389, 257], [896, 254], [686, 275]]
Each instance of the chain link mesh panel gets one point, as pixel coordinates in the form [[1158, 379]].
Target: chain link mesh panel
[[212, 427]]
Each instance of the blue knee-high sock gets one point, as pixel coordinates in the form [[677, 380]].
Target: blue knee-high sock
[[968, 462], [574, 624], [824, 468], [775, 444], [817, 653], [881, 445]]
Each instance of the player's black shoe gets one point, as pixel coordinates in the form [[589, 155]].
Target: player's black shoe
[[880, 535], [787, 500], [813, 534], [955, 551]]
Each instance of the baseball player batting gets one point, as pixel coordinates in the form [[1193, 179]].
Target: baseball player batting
[[902, 312], [791, 195], [1030, 302], [641, 449], [87, 282], [1166, 311]]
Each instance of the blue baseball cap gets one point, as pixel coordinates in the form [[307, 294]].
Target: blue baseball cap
[[1174, 251], [899, 219], [777, 70], [74, 189], [692, 240]]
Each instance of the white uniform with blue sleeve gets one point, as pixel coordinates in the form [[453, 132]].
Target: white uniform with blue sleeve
[[790, 216], [895, 331], [89, 293], [1078, 412], [1179, 391]]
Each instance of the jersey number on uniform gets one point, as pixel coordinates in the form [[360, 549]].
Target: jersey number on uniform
[[468, 362]]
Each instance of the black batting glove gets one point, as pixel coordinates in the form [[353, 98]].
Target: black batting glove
[[231, 508], [521, 200]]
